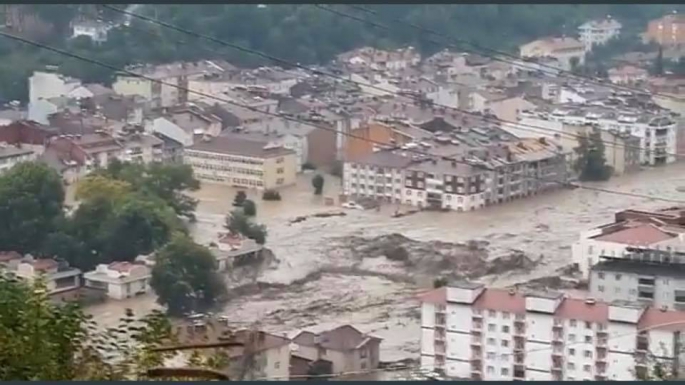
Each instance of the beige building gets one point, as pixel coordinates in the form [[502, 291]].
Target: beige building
[[565, 49], [622, 151], [58, 276], [235, 161], [346, 347], [119, 280]]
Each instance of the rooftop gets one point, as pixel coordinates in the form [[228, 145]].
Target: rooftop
[[235, 145], [8, 151], [637, 235], [342, 338]]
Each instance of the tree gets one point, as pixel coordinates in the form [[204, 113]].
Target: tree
[[249, 208], [575, 61], [271, 195], [658, 67], [239, 199], [317, 183], [238, 223], [439, 282], [591, 162], [185, 277], [31, 199], [101, 187]]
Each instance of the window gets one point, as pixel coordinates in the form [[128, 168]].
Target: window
[[572, 352], [588, 325], [505, 315], [618, 277], [573, 323], [588, 339], [408, 193], [491, 327], [600, 288], [572, 337], [491, 356], [505, 329], [419, 194], [617, 290], [571, 366], [492, 313], [505, 371], [588, 354], [279, 181], [491, 341], [504, 357], [277, 364], [587, 368], [589, 251], [505, 343], [279, 170], [600, 275], [491, 370]]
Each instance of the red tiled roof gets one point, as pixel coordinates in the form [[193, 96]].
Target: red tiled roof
[[579, 309], [501, 300], [6, 256], [658, 319], [642, 235], [436, 296]]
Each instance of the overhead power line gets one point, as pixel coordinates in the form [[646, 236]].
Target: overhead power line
[[479, 49], [324, 127], [490, 119]]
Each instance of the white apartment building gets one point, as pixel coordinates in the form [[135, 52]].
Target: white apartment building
[[96, 31], [615, 239], [470, 332], [598, 32], [120, 280], [10, 156], [657, 132]]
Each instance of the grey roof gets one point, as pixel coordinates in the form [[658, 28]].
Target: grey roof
[[342, 338], [385, 159], [12, 151], [545, 294], [465, 285], [641, 268], [233, 144]]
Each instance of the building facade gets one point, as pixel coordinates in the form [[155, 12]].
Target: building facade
[[470, 332], [567, 51], [598, 32], [57, 275], [120, 280], [10, 156], [242, 163], [667, 31]]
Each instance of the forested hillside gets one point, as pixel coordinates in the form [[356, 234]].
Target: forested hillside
[[300, 33]]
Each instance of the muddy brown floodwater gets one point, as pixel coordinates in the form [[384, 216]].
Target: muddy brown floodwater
[[543, 226]]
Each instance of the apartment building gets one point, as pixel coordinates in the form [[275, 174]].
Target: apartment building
[[469, 331], [235, 161], [628, 75], [10, 156], [657, 130], [120, 280], [567, 51], [598, 32], [629, 231], [88, 151], [647, 276], [348, 349], [667, 31]]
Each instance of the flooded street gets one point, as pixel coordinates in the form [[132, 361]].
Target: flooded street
[[544, 226]]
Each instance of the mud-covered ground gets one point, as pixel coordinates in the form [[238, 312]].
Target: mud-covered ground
[[332, 272]]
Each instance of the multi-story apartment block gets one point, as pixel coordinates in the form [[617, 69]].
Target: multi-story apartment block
[[598, 32], [657, 130], [667, 31], [470, 332], [567, 51], [236, 161], [462, 182], [648, 276], [631, 229]]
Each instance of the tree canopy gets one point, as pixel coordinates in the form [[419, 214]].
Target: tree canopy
[[591, 162], [185, 277]]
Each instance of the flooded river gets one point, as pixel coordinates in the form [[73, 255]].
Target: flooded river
[[545, 225]]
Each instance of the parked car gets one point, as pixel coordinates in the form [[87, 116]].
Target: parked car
[[352, 205]]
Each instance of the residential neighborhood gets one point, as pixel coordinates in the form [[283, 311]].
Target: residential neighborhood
[[379, 207]]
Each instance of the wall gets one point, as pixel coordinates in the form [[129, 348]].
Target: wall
[[586, 253], [46, 85], [321, 147], [278, 363], [127, 85], [287, 165]]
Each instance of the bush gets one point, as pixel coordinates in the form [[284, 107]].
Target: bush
[[308, 166], [271, 195], [249, 208], [239, 199]]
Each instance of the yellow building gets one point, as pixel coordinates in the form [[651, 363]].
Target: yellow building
[[238, 162]]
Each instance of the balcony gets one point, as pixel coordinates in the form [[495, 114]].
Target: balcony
[[477, 315], [558, 336], [475, 342], [440, 309], [642, 347]]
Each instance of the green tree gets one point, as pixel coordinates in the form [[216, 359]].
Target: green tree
[[101, 187], [249, 208], [238, 223], [31, 199], [185, 277], [317, 183], [591, 162], [239, 199], [658, 66]]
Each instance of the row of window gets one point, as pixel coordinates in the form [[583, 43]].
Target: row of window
[[226, 158], [234, 170]]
